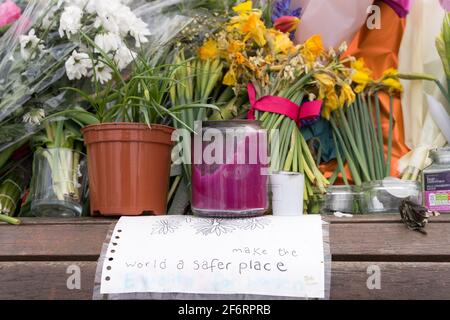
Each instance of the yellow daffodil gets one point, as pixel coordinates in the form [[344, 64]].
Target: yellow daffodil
[[362, 75], [240, 59], [325, 81], [313, 48], [268, 59], [393, 84], [254, 28], [249, 25], [330, 103], [230, 77], [390, 73], [283, 44], [362, 80], [360, 65], [209, 50], [347, 95], [243, 7], [235, 46]]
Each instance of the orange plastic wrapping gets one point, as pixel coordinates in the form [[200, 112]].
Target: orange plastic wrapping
[[379, 49]]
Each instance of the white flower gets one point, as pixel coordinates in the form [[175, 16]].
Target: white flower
[[108, 42], [343, 47], [30, 45], [113, 16], [124, 57], [102, 72], [70, 21], [107, 14], [35, 116], [78, 65], [78, 3], [139, 31]]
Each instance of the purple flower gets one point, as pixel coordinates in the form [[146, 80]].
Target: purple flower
[[282, 8]]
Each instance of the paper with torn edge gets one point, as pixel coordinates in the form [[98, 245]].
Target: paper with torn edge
[[275, 256]]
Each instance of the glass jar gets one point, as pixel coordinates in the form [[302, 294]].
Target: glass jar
[[385, 196], [436, 181], [342, 198], [229, 171], [58, 183], [316, 202]]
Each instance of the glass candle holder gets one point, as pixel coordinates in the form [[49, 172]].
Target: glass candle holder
[[343, 198], [385, 196], [58, 184], [229, 177]]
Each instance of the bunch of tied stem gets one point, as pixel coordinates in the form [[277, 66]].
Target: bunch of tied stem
[[11, 189], [358, 139], [61, 143], [289, 149], [194, 83], [197, 83]]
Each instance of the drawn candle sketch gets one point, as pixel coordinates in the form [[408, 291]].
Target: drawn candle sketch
[[165, 226], [253, 223], [215, 226], [208, 226]]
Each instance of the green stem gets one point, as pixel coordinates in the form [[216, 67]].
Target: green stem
[[391, 123], [380, 133], [359, 156], [366, 131], [339, 161], [9, 219], [351, 164]]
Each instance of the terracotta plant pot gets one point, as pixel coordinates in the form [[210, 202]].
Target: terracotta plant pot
[[129, 167]]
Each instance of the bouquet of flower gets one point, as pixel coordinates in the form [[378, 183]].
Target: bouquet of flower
[[282, 81], [357, 129], [52, 46]]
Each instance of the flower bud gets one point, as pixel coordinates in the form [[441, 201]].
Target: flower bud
[[286, 23]]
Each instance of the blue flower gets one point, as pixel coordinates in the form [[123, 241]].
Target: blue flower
[[282, 8]]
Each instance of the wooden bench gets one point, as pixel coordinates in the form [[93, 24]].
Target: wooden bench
[[35, 255]]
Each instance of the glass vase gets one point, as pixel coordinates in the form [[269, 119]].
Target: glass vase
[[59, 182]]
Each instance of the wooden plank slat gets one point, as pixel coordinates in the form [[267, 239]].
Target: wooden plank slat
[[52, 242], [61, 220], [389, 242], [371, 218], [349, 242], [381, 218], [44, 280], [399, 280]]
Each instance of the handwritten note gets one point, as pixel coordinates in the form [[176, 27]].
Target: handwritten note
[[276, 256]]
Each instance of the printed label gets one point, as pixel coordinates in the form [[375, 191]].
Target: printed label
[[437, 191]]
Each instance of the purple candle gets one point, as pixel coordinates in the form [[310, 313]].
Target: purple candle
[[231, 179]]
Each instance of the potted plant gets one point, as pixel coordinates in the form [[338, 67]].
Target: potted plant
[[129, 141]]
